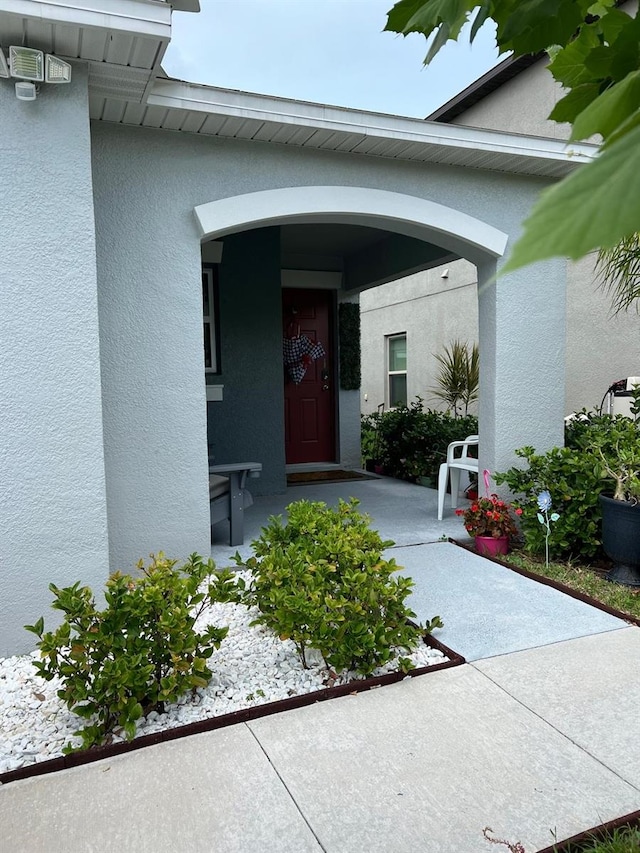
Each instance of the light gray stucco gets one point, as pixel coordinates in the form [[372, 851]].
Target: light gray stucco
[[153, 382], [521, 320], [137, 210], [52, 499], [432, 311]]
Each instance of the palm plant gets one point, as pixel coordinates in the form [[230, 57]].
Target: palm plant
[[457, 381], [619, 270]]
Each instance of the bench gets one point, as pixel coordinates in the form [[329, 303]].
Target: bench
[[228, 496]]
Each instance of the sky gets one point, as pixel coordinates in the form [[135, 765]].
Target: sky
[[328, 51]]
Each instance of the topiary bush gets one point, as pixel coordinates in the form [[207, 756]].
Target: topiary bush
[[139, 653], [321, 581]]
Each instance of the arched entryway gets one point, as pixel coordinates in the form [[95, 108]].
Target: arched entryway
[[405, 234]]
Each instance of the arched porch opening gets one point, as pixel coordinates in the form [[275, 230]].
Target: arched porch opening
[[381, 236]]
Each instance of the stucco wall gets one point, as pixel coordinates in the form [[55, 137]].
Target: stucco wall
[[147, 185], [521, 105], [150, 304], [432, 311], [251, 415], [52, 498], [600, 348]]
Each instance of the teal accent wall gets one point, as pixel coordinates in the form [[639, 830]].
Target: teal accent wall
[[248, 425]]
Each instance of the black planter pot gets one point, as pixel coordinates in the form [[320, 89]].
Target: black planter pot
[[621, 539]]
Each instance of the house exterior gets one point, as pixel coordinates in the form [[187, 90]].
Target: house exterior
[[140, 213], [425, 312]]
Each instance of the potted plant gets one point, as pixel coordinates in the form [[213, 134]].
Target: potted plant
[[619, 454], [491, 523]]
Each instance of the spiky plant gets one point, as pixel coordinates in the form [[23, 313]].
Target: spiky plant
[[619, 271], [457, 381]]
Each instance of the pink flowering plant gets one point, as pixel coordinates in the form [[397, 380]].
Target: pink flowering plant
[[490, 516]]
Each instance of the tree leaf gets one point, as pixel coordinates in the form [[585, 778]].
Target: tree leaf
[[483, 14], [595, 206], [610, 109], [532, 25], [577, 100], [568, 65]]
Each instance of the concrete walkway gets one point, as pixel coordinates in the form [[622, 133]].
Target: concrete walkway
[[536, 734]]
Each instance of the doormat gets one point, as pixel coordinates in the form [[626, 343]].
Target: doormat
[[305, 478]]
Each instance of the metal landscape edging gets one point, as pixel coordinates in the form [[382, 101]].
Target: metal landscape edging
[[583, 841], [76, 759]]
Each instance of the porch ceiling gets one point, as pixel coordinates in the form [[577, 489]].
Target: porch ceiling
[[209, 111]]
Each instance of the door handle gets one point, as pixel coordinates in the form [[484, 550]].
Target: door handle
[[325, 387]]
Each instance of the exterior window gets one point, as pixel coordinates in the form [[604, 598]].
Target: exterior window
[[210, 319], [397, 361]]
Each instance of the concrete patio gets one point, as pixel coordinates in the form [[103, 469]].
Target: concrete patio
[[533, 736]]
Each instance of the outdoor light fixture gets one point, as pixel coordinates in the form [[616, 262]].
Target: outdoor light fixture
[[26, 91], [26, 63], [56, 70], [30, 66]]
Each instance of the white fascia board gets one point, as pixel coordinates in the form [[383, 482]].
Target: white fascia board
[[140, 17], [208, 99]]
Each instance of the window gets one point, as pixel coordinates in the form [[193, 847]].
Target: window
[[397, 369], [210, 319]]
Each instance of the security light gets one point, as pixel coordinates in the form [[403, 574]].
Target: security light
[[56, 70], [31, 66], [26, 91], [26, 63]]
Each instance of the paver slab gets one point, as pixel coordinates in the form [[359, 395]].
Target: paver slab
[[489, 610], [427, 763], [588, 688], [209, 792]]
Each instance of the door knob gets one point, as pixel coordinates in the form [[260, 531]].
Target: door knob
[[325, 387]]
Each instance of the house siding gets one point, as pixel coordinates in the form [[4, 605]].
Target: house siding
[[147, 185], [52, 499]]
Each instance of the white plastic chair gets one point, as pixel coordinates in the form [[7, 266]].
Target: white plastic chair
[[458, 460]]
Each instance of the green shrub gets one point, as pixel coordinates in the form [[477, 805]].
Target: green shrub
[[320, 580], [573, 479], [412, 441], [141, 651], [574, 476]]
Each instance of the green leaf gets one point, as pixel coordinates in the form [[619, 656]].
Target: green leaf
[[532, 25], [608, 111], [574, 102], [597, 205], [568, 66], [483, 15]]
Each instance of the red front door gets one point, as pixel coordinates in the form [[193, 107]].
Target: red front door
[[309, 412]]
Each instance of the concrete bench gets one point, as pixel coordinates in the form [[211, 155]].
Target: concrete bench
[[228, 496]]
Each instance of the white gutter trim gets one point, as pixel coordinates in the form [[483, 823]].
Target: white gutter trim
[[141, 17], [173, 94]]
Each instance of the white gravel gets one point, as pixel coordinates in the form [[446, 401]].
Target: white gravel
[[251, 667]]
